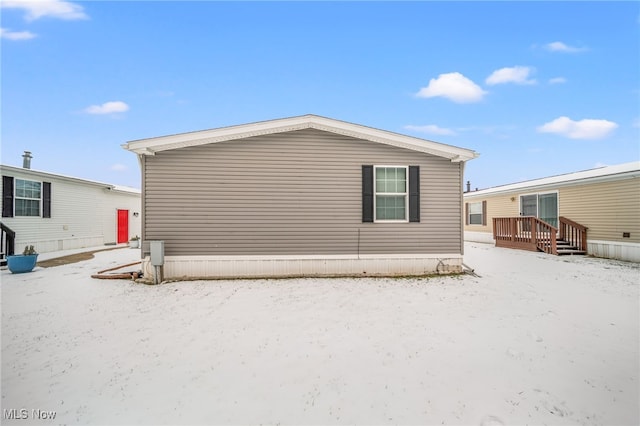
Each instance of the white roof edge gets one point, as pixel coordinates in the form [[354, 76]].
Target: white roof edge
[[604, 173], [118, 188], [163, 143], [127, 189]]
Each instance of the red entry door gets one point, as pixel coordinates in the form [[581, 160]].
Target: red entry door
[[123, 226]]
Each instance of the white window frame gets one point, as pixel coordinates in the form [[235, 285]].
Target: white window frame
[[15, 196], [481, 214], [376, 193], [538, 194]]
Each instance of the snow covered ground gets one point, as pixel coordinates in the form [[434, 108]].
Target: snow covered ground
[[535, 339]]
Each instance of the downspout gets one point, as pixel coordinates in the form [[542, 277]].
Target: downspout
[[462, 218], [143, 219]]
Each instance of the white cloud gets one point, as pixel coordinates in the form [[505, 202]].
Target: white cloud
[[16, 35], [558, 46], [36, 9], [583, 129], [557, 80], [118, 167], [517, 75], [107, 108], [453, 86], [431, 129]]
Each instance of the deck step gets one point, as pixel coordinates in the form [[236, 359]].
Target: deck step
[[565, 248], [571, 251]]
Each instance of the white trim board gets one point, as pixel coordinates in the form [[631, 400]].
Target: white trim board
[[163, 143]]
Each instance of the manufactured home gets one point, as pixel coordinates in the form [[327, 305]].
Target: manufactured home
[[592, 212], [301, 196], [54, 212]]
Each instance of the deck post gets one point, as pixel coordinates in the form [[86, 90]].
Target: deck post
[[495, 231], [534, 231]]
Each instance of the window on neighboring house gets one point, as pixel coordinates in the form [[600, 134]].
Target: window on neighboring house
[[390, 193], [28, 196], [21, 197], [542, 205], [476, 213]]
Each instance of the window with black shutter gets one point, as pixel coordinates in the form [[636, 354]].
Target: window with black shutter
[[21, 197], [390, 193]]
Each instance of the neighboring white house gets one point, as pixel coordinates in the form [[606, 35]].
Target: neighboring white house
[[54, 212]]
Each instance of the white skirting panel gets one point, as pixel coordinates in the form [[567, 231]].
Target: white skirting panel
[[479, 237], [190, 267], [47, 246], [614, 250]]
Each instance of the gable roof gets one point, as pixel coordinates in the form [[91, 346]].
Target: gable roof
[[600, 174], [164, 143]]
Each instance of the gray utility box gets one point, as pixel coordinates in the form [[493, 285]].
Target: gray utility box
[[157, 253]]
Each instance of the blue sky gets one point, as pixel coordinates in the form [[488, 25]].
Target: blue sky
[[537, 88]]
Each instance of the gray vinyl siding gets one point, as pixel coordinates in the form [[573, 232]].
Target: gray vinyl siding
[[295, 193]]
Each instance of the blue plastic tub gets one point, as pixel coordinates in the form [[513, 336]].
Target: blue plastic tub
[[21, 263]]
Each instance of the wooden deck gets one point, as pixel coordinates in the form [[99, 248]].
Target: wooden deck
[[533, 234]]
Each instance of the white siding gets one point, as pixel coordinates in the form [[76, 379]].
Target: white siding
[[83, 214]]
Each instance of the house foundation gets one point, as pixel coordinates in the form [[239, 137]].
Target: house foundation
[[221, 267]]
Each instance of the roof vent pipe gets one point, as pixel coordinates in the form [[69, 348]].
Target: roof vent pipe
[[468, 186], [26, 160]]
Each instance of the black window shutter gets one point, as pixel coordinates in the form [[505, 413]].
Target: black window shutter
[[414, 193], [367, 193], [46, 199], [7, 196]]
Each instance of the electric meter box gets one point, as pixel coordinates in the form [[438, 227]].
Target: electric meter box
[[157, 253]]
